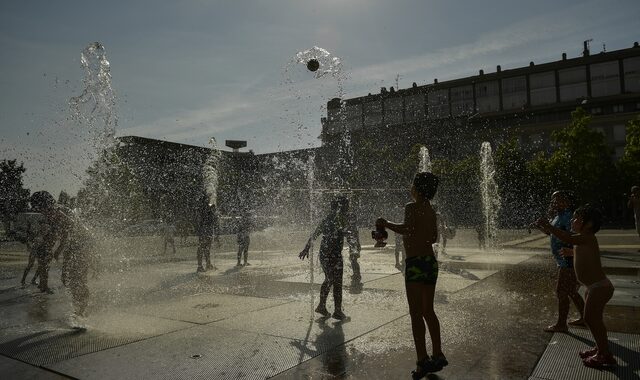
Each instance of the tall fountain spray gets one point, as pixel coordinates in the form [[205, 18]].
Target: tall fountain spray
[[210, 172], [94, 112], [424, 164], [489, 194], [95, 107], [311, 177]]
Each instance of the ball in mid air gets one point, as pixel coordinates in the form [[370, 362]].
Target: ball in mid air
[[313, 64]]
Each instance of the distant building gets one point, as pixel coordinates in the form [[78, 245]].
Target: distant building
[[527, 102]]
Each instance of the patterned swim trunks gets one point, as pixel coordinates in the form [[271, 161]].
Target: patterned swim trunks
[[423, 269]]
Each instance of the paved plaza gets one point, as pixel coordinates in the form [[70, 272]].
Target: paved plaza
[[153, 317]]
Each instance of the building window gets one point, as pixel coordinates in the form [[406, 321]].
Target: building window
[[619, 152], [514, 92], [372, 113], [573, 83], [462, 100], [596, 111], [488, 96], [543, 88], [438, 101], [605, 79], [414, 107], [618, 108], [619, 133], [631, 74], [393, 110]]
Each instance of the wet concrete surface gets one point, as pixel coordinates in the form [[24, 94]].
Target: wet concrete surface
[[149, 316]]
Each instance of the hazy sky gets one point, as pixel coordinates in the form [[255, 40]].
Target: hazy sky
[[188, 70]]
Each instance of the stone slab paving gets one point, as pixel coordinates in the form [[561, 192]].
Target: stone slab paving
[[205, 308], [53, 341], [201, 352], [267, 305], [14, 369], [295, 320]]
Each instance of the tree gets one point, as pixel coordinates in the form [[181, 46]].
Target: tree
[[458, 194], [582, 162], [629, 164], [514, 180], [64, 198], [112, 195], [13, 196]]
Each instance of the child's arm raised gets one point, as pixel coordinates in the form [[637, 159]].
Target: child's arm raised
[[565, 236], [305, 251], [402, 228]]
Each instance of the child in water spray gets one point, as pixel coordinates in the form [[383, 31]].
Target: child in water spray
[[420, 231]]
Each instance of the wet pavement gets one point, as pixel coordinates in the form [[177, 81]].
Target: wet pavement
[[152, 316]]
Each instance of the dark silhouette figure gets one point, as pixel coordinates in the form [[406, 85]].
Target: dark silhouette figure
[[74, 243], [208, 230], [333, 229], [353, 242], [245, 224]]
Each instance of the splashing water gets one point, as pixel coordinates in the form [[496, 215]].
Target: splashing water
[[94, 112], [95, 107], [306, 93], [489, 194], [210, 172], [311, 165], [424, 164], [329, 64]]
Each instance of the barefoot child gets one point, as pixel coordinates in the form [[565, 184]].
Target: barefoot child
[[333, 229], [588, 268], [420, 231], [561, 208]]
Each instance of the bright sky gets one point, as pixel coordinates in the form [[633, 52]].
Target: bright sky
[[187, 70]]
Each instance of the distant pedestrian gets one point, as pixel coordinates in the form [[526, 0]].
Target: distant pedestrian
[[169, 233], [481, 231], [588, 269], [208, 231], [420, 231], [332, 228], [243, 236], [561, 209], [445, 232], [634, 203]]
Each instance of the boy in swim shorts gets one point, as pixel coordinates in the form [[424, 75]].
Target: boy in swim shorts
[[420, 231]]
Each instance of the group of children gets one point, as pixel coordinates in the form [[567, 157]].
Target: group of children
[[575, 248], [54, 230], [573, 245]]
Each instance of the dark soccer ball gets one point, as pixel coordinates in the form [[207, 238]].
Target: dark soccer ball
[[313, 64]]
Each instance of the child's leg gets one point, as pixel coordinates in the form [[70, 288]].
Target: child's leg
[[431, 318], [247, 241], [326, 284], [596, 300], [563, 288], [77, 281], [32, 260], [415, 299], [577, 299], [240, 250], [336, 274]]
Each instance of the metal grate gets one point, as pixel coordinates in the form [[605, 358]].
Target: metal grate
[[561, 361]]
